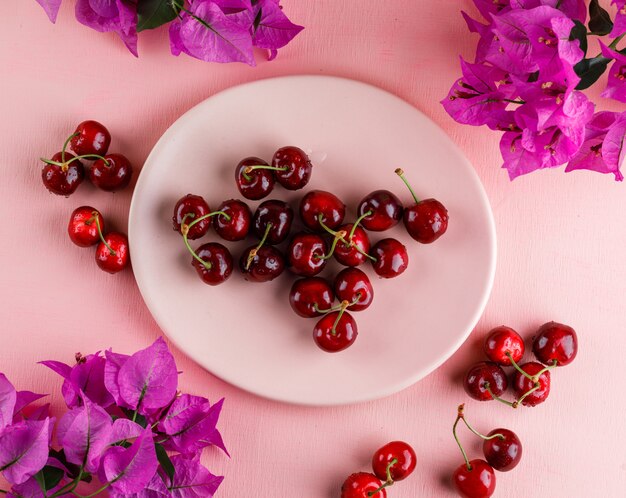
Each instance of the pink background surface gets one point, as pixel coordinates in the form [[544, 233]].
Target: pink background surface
[[560, 240]]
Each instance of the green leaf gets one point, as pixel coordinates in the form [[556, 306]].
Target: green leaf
[[154, 13], [49, 477], [589, 70], [165, 461], [579, 32], [599, 19]]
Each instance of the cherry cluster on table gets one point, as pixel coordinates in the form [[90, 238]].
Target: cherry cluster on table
[[326, 235], [64, 172]]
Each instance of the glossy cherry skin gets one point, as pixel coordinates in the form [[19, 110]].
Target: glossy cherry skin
[[259, 183], [386, 210], [267, 264], [305, 254], [482, 373], [400, 470], [112, 263], [503, 454], [344, 336], [279, 214], [503, 340], [221, 262], [92, 138], [391, 258], [360, 484], [113, 176], [347, 254], [193, 205], [555, 341], [480, 482], [352, 284], [320, 202], [238, 226], [522, 384], [298, 167], [83, 228], [426, 221], [64, 179], [306, 293]]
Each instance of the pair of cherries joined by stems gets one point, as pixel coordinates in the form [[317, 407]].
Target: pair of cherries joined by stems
[[64, 172], [393, 462]]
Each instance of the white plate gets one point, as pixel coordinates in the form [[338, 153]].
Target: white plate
[[357, 134]]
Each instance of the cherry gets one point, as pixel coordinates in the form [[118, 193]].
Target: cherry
[[305, 254], [354, 286], [362, 485], [90, 137], [425, 220], [64, 177], [503, 344], [83, 226], [385, 210], [396, 459], [503, 449], [274, 217], [391, 258], [111, 173], [216, 265], [293, 167], [335, 331], [483, 378], [261, 264], [112, 252], [238, 226], [477, 481], [532, 392], [254, 184], [189, 208], [556, 344], [309, 295], [354, 253], [318, 203]]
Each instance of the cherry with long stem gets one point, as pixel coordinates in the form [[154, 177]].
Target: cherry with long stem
[[338, 307], [461, 415], [254, 251], [67, 141], [388, 482], [341, 236], [184, 230], [249, 169], [342, 309], [533, 378], [65, 164], [101, 235], [400, 173]]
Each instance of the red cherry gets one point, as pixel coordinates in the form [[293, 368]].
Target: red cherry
[[503, 340], [385, 208], [219, 260], [253, 184], [396, 450], [293, 167], [555, 342], [319, 202], [391, 258], [360, 485], [354, 286], [196, 207], [305, 254], [266, 263], [333, 334], [65, 178], [83, 227], [111, 173], [114, 257], [348, 254], [480, 375], [308, 293], [503, 453], [277, 213], [238, 226], [91, 138], [479, 482], [522, 384]]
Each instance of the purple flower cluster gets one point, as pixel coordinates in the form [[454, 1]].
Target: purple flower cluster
[[210, 30], [127, 427], [526, 81]]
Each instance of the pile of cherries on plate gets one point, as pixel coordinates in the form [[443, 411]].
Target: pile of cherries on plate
[[325, 235], [64, 172]]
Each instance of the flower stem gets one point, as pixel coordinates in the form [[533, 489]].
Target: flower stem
[[97, 492], [614, 43], [67, 141], [456, 438], [400, 173], [254, 251], [111, 251]]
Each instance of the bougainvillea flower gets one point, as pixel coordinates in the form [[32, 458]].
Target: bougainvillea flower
[[24, 449], [619, 23], [192, 480], [31, 489], [154, 489], [616, 82], [113, 363], [51, 8], [22, 400], [574, 9], [118, 16], [8, 397], [271, 28], [488, 7]]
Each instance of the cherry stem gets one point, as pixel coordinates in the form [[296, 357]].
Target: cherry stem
[[456, 438], [482, 436], [111, 251], [342, 309], [526, 394], [76, 158], [67, 141], [400, 173], [249, 169], [508, 403], [356, 223], [184, 230], [341, 236], [94, 215], [388, 482], [254, 251], [356, 299], [517, 367], [544, 370]]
